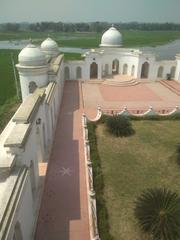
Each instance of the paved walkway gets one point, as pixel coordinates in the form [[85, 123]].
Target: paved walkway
[[64, 210]]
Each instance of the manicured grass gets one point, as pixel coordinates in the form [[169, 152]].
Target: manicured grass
[[130, 165], [72, 56]]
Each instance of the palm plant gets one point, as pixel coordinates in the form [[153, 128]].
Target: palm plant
[[158, 213]]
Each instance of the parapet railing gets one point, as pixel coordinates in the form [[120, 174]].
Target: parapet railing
[[137, 112], [13, 202], [94, 234]]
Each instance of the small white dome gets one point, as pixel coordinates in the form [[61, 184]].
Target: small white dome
[[111, 38], [50, 47], [31, 55]]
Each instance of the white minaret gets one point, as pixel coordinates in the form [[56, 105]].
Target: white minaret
[[50, 48], [33, 69]]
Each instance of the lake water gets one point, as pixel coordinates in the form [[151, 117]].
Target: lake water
[[23, 43], [167, 51]]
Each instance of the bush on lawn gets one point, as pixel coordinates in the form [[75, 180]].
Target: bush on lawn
[[119, 126]]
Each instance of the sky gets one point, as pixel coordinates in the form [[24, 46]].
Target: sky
[[90, 10]]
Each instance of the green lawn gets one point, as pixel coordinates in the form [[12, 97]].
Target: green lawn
[[72, 56], [130, 165]]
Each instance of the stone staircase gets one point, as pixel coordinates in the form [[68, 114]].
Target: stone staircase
[[172, 86], [115, 80], [94, 81], [121, 81]]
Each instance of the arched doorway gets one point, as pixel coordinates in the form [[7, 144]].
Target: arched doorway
[[125, 69], [78, 73], [132, 70], [115, 66], [17, 232], [93, 70], [173, 70], [160, 72], [32, 87], [66, 73], [145, 70]]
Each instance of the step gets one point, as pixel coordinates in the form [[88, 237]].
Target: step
[[170, 87], [127, 83], [94, 81]]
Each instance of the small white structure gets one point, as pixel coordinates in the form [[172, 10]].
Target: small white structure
[[111, 59], [27, 139]]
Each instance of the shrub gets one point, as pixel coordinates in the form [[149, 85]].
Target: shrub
[[120, 126], [102, 213], [158, 213], [178, 153]]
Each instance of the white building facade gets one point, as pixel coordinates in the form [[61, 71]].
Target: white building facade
[[111, 59]]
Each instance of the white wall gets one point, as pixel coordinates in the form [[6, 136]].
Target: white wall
[[33, 150]]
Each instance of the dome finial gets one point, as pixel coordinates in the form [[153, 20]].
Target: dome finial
[[30, 40], [112, 25]]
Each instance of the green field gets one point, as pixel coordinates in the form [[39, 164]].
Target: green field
[[130, 165], [90, 40], [8, 97]]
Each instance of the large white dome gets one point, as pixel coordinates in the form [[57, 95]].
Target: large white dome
[[111, 38], [31, 55], [50, 47]]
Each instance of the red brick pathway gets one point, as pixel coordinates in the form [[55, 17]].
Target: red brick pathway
[[64, 210]]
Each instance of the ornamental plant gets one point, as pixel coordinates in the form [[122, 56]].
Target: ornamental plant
[[119, 126], [158, 213]]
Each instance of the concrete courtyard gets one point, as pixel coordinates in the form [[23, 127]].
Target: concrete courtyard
[[137, 97]]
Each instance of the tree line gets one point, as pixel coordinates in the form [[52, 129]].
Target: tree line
[[86, 27]]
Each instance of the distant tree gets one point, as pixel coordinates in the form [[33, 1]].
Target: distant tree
[[11, 27]]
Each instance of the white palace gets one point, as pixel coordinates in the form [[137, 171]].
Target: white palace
[[28, 137]]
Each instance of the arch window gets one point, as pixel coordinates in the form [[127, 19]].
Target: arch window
[[93, 70], [125, 69], [160, 72], [66, 73], [32, 87], [173, 70], [145, 70], [132, 70], [115, 66], [78, 73]]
